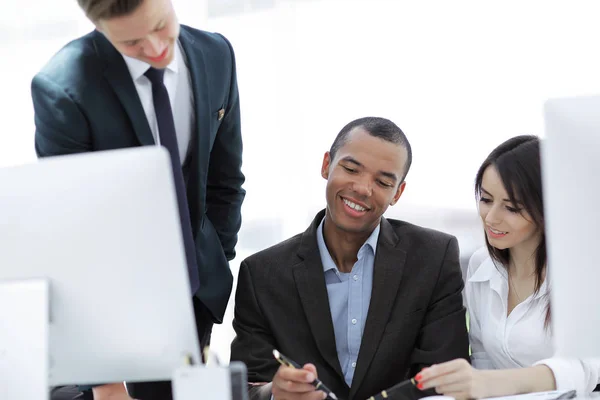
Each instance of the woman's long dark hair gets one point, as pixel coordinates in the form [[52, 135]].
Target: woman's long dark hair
[[517, 161]]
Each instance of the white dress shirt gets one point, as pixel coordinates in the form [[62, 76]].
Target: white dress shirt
[[520, 339], [178, 82]]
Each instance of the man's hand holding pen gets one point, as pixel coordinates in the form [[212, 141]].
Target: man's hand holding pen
[[291, 381], [295, 384]]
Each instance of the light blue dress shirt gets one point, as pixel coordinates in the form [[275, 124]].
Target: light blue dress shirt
[[349, 298]]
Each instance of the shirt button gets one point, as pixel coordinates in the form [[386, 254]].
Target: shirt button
[[355, 277], [354, 321], [353, 365]]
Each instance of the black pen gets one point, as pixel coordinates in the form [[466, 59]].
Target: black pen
[[283, 360], [384, 394]]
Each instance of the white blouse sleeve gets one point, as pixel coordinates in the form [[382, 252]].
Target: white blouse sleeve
[[479, 357], [569, 374]]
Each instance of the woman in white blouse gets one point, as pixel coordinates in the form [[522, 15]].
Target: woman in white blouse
[[506, 291]]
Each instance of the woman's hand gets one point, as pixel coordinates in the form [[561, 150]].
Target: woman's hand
[[456, 378]]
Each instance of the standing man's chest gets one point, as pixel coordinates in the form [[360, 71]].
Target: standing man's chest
[[177, 80]]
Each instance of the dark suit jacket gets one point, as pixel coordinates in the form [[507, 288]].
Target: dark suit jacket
[[85, 100], [416, 315]]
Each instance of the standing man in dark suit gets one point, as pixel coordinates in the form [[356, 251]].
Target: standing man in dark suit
[[362, 301], [141, 79]]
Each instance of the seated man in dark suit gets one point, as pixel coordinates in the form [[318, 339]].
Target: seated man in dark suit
[[368, 301]]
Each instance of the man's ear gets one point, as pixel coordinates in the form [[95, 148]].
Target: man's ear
[[398, 193], [325, 166]]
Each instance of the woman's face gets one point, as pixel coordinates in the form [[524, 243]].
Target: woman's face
[[507, 225]]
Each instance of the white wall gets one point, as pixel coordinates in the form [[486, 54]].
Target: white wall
[[458, 77]]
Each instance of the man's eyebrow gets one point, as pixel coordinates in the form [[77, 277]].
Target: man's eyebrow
[[352, 160], [155, 29], [389, 175]]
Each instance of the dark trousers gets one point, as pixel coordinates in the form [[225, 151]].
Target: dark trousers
[[147, 390]]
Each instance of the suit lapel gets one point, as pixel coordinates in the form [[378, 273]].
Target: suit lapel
[[388, 269], [310, 282], [118, 76], [194, 57]]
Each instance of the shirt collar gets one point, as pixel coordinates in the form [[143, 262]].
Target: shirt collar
[[496, 274], [486, 271], [328, 263], [138, 68]]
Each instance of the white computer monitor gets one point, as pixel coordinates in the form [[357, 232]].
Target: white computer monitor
[[571, 178], [103, 228]]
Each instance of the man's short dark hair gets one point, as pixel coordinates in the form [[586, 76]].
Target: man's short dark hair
[[377, 127], [97, 10]]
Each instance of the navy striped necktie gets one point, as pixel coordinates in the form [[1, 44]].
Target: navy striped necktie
[[168, 139]]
